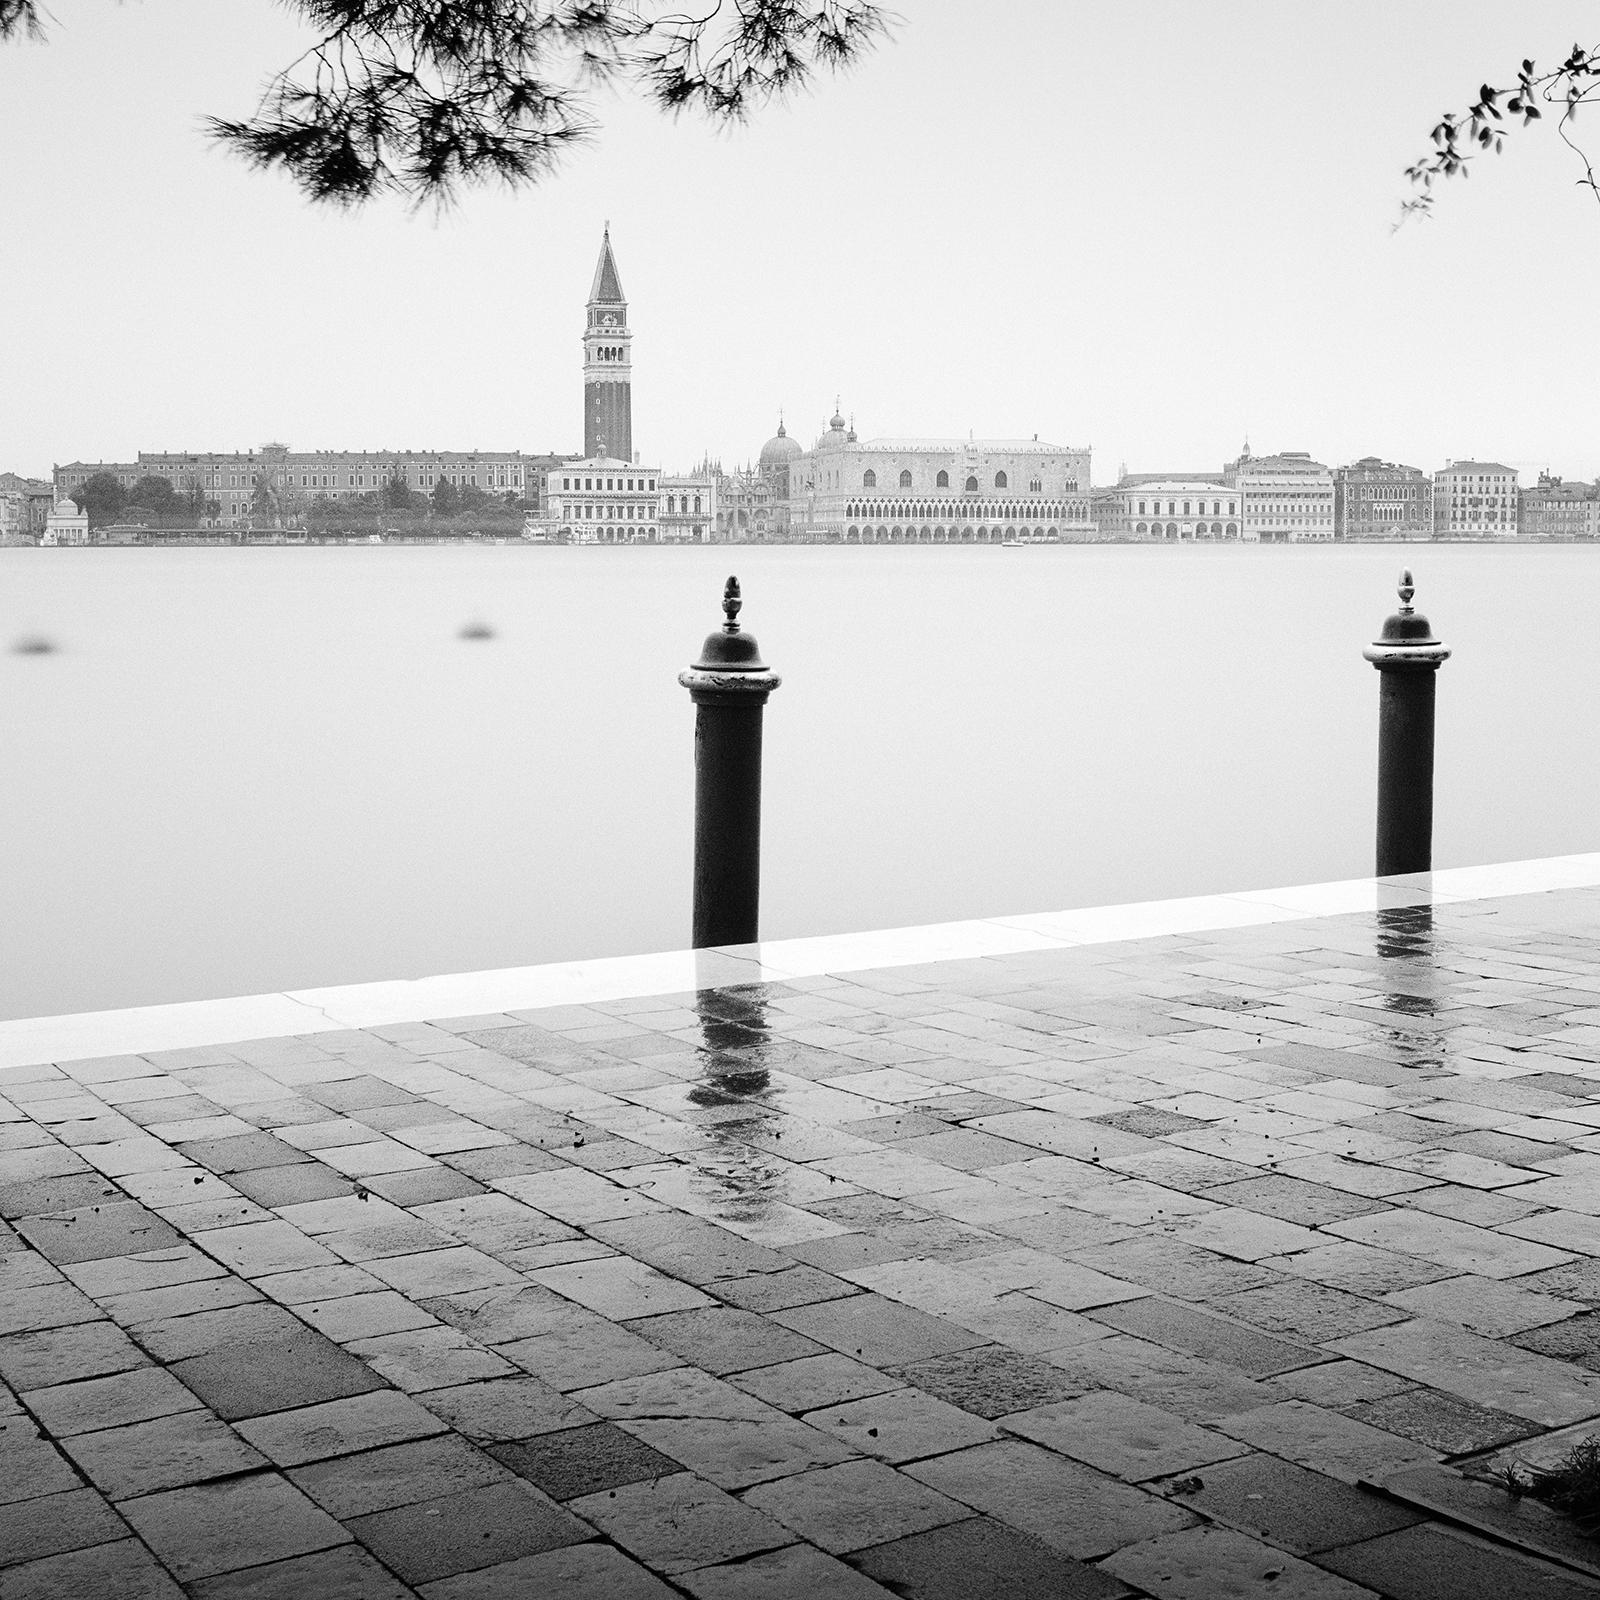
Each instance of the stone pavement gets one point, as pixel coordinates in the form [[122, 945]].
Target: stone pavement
[[1130, 1269]]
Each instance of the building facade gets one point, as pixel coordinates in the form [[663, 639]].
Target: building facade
[[1176, 509], [936, 491], [1375, 499], [277, 483], [1552, 509], [1475, 500], [1285, 498], [689, 510], [24, 508], [66, 524], [605, 502], [607, 365]]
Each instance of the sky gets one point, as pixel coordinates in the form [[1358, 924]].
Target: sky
[[1152, 227]]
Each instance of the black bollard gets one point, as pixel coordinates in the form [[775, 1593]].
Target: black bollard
[[1408, 658], [729, 685]]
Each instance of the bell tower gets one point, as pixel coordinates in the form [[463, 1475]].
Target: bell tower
[[607, 364]]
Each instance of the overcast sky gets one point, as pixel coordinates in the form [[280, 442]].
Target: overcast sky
[[1146, 226]]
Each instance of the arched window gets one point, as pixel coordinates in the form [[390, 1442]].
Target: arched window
[[942, 481], [869, 479], [999, 480], [1142, 529], [905, 479], [972, 485]]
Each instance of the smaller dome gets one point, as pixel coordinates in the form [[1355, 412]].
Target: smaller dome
[[66, 508], [836, 422], [779, 450]]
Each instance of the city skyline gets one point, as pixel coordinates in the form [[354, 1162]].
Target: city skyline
[[1070, 261]]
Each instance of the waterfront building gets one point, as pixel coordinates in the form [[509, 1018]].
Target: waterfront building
[[1553, 509], [1475, 500], [276, 483], [1375, 499], [1285, 498], [24, 508], [1106, 513], [1177, 508], [66, 524], [605, 501], [937, 491], [688, 509], [607, 365]]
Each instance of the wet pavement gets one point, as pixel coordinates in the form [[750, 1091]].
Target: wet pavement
[[1220, 1263]]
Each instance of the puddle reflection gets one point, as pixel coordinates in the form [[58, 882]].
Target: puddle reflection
[[1405, 946], [736, 1077]]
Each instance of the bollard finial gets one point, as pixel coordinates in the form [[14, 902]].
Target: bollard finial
[[1406, 590], [732, 605]]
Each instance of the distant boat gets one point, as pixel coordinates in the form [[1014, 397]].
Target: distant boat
[[476, 630]]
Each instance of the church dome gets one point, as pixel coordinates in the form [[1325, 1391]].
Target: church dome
[[834, 438], [779, 450]]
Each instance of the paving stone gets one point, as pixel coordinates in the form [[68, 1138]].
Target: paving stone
[[109, 1402], [1488, 1372], [979, 1559], [507, 1408], [1217, 1561], [795, 1573], [1196, 1333], [423, 1186], [1071, 1507], [721, 1340], [1429, 1562], [419, 1359], [1121, 1435], [224, 1527], [245, 1152], [852, 1505], [588, 1355], [1289, 1506], [339, 1427], [1339, 1385], [69, 1191], [901, 1425], [295, 1369], [179, 1300], [1190, 1386], [1310, 1311], [1325, 1441], [777, 1291], [203, 1333], [586, 1460], [440, 1272], [1245, 1235], [396, 1475], [165, 1453], [123, 1570], [1171, 1267], [1448, 1243], [1485, 1305], [575, 1572], [256, 1249], [52, 1356], [620, 1288], [1442, 1422], [1487, 1508], [690, 1248], [503, 1313], [291, 1184], [364, 1316], [114, 1276], [88, 1233], [30, 1466], [878, 1331], [681, 1522], [813, 1382], [346, 1572], [1577, 1339], [55, 1524], [989, 1381]]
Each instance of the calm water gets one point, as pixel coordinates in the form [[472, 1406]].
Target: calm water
[[250, 770]]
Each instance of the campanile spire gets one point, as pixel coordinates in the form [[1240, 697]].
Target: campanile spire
[[607, 364]]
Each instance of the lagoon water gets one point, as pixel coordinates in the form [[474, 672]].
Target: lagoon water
[[250, 770]]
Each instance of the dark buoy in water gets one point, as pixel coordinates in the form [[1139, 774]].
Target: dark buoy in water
[[35, 644], [476, 630]]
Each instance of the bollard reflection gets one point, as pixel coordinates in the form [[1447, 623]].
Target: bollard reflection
[[1404, 943], [736, 1083]]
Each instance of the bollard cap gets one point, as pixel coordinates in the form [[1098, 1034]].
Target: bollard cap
[[1407, 639], [730, 668], [730, 649]]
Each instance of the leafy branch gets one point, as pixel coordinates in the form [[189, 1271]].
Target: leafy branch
[[426, 97], [1460, 137]]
